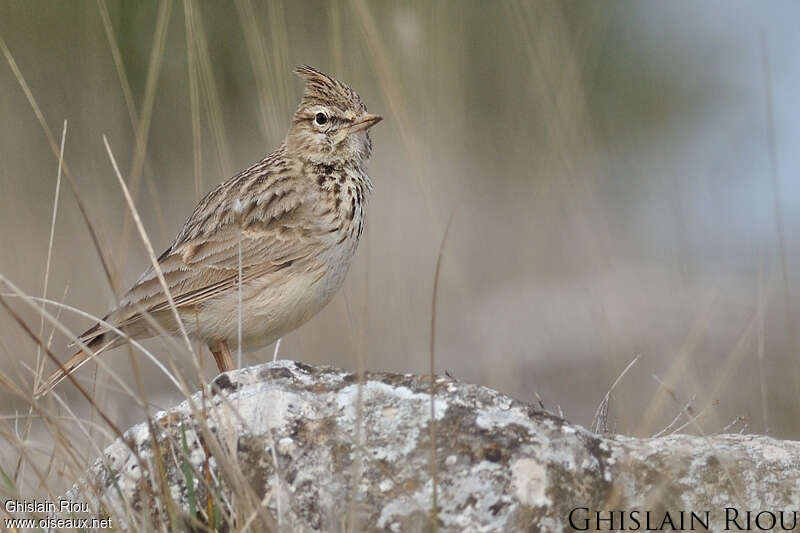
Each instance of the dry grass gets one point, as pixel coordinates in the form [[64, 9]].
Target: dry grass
[[432, 376], [571, 254]]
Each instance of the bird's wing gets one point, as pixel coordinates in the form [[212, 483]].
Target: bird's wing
[[275, 228], [198, 271]]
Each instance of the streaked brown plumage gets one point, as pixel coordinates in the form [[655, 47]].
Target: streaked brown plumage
[[298, 215]]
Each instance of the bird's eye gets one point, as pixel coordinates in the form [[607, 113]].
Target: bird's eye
[[321, 118]]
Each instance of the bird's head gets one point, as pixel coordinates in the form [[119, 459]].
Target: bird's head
[[330, 124]]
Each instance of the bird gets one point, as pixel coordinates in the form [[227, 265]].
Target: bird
[[283, 232]]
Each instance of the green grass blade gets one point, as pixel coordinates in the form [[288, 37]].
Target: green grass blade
[[187, 474]]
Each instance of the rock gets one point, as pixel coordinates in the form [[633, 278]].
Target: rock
[[500, 465]]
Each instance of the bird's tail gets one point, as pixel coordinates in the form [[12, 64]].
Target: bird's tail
[[96, 346]]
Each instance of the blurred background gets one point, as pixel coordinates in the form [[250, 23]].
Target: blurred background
[[622, 178]]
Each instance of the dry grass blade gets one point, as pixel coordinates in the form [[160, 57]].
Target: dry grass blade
[[279, 50], [143, 129], [105, 418], [59, 431], [40, 363], [264, 76], [197, 38], [777, 204], [54, 147], [688, 409], [261, 510], [351, 520], [19, 471], [150, 250], [116, 55], [397, 103], [277, 349], [77, 455], [11, 436], [239, 303], [194, 99], [741, 348], [700, 326], [390, 84], [57, 324], [693, 420], [335, 28], [600, 422], [733, 423], [127, 94], [227, 463], [81, 424], [74, 381], [761, 311], [119, 332], [432, 426]]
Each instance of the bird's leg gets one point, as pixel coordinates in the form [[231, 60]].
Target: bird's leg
[[222, 355]]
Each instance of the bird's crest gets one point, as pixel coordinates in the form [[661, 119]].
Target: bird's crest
[[321, 88]]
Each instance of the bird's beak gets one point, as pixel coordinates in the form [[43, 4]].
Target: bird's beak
[[366, 121]]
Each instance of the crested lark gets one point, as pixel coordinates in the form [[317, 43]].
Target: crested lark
[[297, 214]]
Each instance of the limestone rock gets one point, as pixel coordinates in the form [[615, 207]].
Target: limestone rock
[[500, 465]]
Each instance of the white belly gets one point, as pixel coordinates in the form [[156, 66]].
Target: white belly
[[271, 306]]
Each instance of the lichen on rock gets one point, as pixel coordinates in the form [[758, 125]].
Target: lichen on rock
[[285, 437]]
